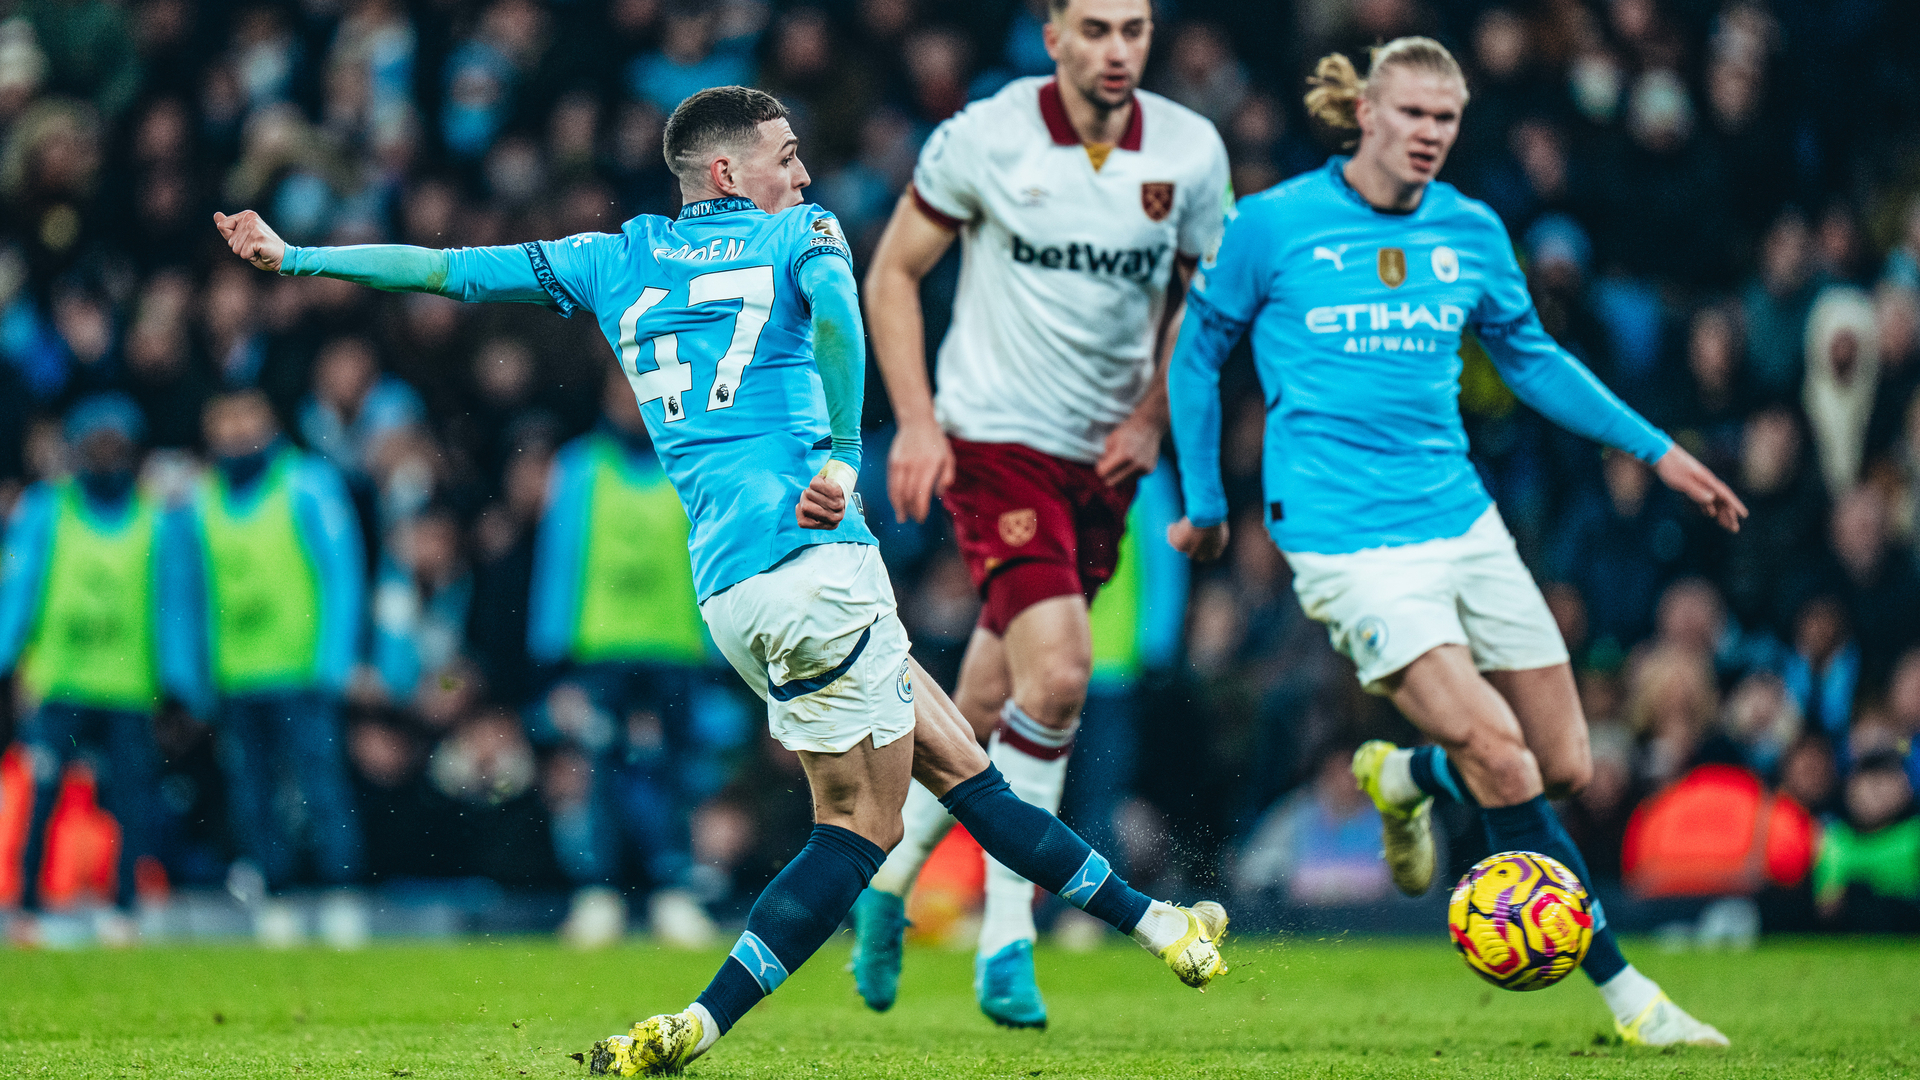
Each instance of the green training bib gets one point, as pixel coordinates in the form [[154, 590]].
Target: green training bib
[[636, 591], [92, 642], [1115, 615], [263, 587]]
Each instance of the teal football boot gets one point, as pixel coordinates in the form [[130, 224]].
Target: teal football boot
[[879, 926]]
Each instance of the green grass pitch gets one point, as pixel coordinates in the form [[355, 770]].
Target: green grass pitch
[[1307, 1008]]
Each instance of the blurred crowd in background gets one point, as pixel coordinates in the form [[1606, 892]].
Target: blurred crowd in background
[[1717, 203]]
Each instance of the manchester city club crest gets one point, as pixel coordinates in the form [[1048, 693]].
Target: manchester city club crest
[[1370, 634], [903, 682], [1393, 267], [1156, 198]]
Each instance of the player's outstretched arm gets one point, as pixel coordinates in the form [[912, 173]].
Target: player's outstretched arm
[[920, 465], [1683, 473], [1562, 389], [471, 274], [1193, 394], [840, 353]]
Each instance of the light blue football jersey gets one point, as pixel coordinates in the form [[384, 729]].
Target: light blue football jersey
[[707, 317], [1356, 317]]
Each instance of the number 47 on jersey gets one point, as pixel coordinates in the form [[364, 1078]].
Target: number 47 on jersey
[[671, 376]]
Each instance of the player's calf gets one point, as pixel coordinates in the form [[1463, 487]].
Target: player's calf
[[1038, 847]]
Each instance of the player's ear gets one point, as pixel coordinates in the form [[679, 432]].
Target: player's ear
[[1050, 36], [720, 175]]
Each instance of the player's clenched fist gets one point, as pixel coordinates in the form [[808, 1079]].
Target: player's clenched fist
[[1201, 544], [251, 239], [824, 502]]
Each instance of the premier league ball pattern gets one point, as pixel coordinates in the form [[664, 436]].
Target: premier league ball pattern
[[1521, 920]]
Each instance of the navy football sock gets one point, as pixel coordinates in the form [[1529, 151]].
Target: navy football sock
[[1533, 826], [1034, 844], [796, 914], [1435, 775]]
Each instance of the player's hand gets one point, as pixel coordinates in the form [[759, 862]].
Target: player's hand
[[824, 502], [248, 234], [1132, 450], [1683, 473], [919, 467], [1200, 545]]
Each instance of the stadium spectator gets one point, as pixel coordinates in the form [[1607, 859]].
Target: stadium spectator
[[1868, 874], [1843, 366], [612, 608], [353, 407], [422, 596], [1777, 302], [79, 618], [270, 605], [1319, 846]]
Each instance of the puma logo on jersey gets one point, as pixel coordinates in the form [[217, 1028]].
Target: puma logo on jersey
[[1336, 256], [1134, 264]]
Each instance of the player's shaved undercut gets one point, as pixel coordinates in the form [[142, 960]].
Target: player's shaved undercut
[[1058, 8], [720, 117]]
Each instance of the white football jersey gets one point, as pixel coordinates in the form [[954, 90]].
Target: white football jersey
[[1063, 268]]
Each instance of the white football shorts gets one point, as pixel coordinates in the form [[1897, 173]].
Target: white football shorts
[[1384, 607], [818, 638]]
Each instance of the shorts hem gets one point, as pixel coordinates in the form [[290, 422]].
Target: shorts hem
[[842, 742], [1544, 659], [1373, 678]]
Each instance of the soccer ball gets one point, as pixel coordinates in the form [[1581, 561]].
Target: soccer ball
[[1521, 920]]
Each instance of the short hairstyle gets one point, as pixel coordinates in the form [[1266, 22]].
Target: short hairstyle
[[1057, 8], [1335, 87], [720, 116]]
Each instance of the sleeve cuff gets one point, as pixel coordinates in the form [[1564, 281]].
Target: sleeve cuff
[[935, 214], [543, 273]]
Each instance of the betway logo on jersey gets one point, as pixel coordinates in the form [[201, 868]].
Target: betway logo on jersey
[[1134, 264]]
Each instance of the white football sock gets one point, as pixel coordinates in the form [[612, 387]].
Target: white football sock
[[926, 823], [1161, 926], [709, 1027], [1396, 779], [1033, 758], [1629, 993]]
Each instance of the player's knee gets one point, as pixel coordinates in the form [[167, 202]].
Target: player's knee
[[1568, 774], [1055, 694], [981, 708], [1501, 761], [885, 830]]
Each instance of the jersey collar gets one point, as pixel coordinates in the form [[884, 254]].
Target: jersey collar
[[1337, 172], [1054, 111], [709, 207]]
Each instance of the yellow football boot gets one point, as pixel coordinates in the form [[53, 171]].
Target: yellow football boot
[[1406, 832], [1195, 957], [1665, 1024], [657, 1046]]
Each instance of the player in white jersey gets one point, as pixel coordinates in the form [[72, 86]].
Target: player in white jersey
[[1082, 205]]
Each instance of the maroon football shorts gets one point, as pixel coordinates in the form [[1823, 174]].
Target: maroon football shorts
[[1032, 526]]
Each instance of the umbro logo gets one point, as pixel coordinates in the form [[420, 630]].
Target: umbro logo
[[1335, 255]]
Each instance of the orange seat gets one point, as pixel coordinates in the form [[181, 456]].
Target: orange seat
[[83, 841], [1717, 831]]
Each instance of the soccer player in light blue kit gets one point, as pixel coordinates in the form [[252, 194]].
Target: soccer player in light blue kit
[[1357, 281], [738, 325]]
